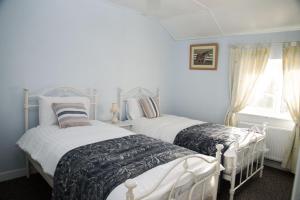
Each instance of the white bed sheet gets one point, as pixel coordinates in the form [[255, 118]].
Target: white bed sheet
[[167, 127], [47, 144]]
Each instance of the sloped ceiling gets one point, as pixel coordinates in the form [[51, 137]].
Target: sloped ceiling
[[191, 19]]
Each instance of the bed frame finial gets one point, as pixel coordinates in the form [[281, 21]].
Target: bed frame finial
[[119, 98], [95, 101], [130, 184], [219, 148], [264, 129]]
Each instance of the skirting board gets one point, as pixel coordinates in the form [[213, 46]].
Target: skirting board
[[274, 164], [12, 174]]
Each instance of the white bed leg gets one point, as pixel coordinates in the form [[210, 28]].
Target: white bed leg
[[217, 176], [130, 184], [233, 173], [264, 131], [261, 172], [232, 182], [262, 162], [26, 126], [27, 167]]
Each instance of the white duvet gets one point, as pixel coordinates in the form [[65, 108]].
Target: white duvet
[[167, 127], [47, 145]]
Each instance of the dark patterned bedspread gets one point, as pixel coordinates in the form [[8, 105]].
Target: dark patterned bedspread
[[204, 137], [92, 171]]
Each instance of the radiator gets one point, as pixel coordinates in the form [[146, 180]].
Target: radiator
[[278, 139]]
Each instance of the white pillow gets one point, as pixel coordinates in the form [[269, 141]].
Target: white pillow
[[46, 113], [133, 109]]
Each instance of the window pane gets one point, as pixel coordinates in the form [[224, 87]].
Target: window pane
[[266, 102], [273, 86], [269, 93]]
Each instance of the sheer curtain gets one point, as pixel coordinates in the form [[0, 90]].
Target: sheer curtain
[[247, 65], [291, 84]]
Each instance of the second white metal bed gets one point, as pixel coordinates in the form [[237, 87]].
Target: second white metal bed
[[247, 161]]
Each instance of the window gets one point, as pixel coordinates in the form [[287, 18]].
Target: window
[[268, 101]]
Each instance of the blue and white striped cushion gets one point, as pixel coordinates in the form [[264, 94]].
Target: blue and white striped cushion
[[150, 106], [71, 114]]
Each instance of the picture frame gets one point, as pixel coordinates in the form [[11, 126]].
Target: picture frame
[[204, 56]]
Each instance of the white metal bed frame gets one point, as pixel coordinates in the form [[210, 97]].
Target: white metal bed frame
[[249, 157], [130, 183]]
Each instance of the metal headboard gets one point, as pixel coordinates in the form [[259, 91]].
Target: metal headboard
[[133, 93], [30, 100]]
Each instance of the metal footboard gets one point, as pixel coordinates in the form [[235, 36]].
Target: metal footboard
[[249, 160], [196, 181]]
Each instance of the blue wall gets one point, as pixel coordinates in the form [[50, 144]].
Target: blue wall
[[100, 45], [76, 43]]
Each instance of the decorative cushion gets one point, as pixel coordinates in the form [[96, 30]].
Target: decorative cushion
[[150, 106], [46, 114], [71, 114]]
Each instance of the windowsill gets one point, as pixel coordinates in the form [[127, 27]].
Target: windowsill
[[285, 117]]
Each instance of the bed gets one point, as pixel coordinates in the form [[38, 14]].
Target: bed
[[49, 149], [243, 157]]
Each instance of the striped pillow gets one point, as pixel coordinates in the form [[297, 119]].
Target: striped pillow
[[150, 106], [71, 114]]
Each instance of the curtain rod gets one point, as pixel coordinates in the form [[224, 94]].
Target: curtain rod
[[293, 43]]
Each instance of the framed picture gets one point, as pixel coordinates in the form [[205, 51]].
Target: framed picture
[[204, 56]]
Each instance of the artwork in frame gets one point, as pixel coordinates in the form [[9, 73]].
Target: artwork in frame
[[204, 56]]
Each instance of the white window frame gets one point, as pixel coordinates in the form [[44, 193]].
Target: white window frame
[[275, 112]]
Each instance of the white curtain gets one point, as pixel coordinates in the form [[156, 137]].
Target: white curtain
[[291, 84], [247, 65]]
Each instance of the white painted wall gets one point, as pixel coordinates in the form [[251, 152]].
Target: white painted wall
[[204, 95], [45, 43]]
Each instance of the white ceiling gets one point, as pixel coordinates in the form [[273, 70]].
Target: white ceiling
[[191, 19]]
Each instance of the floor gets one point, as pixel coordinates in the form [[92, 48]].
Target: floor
[[275, 185]]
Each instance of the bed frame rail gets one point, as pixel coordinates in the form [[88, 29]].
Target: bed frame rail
[[202, 183], [58, 92], [247, 161], [133, 93]]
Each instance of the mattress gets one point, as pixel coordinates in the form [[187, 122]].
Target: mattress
[[167, 127], [47, 144]]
